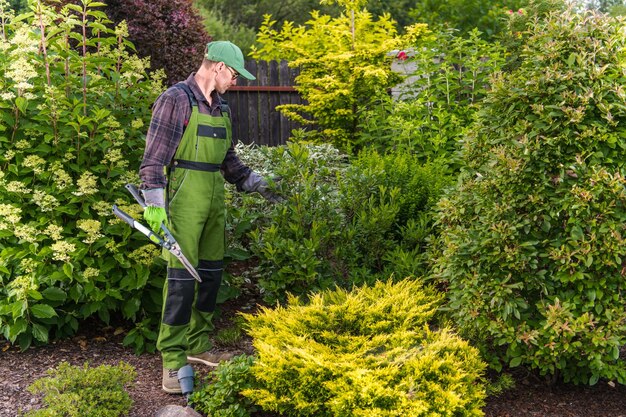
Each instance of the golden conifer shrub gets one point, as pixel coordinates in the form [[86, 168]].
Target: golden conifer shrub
[[372, 351]]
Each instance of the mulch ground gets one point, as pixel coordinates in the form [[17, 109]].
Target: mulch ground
[[100, 345]]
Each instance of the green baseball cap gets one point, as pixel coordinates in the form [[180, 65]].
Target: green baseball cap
[[229, 54]]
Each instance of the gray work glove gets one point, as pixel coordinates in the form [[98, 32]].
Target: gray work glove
[[154, 197], [256, 184]]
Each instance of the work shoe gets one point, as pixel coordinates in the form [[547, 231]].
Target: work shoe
[[170, 381], [210, 359]]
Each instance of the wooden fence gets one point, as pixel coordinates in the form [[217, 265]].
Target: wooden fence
[[253, 103]]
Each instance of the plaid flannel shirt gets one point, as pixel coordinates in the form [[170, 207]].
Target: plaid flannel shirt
[[169, 115]]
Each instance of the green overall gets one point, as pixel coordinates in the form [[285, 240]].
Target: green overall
[[195, 196]]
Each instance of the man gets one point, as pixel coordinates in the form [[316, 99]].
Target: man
[[189, 152]]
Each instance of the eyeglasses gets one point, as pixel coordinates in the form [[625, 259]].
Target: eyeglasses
[[233, 73]]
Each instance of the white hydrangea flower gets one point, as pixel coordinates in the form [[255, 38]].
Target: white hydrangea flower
[[61, 250], [87, 184], [92, 228], [91, 273], [145, 255], [17, 187], [20, 287], [7, 96], [29, 265], [35, 162], [54, 231], [26, 233], [45, 201], [102, 208], [112, 155], [22, 144], [62, 179]]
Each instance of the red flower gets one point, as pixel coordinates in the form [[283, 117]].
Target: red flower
[[402, 56]]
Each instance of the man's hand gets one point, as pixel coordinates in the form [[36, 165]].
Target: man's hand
[[154, 216], [256, 183]]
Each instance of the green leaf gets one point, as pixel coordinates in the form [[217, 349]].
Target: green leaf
[[35, 295], [21, 104], [40, 332], [615, 352], [43, 311], [54, 294], [24, 340], [131, 307], [18, 308], [130, 338], [68, 269], [516, 361], [17, 328], [576, 233]]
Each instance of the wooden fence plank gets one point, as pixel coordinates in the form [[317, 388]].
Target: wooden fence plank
[[252, 111], [274, 100], [253, 103], [285, 98]]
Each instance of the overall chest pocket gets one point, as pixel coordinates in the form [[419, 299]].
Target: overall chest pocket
[[213, 143]]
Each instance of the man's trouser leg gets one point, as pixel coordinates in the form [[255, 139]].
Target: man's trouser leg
[[210, 267], [188, 214], [178, 296]]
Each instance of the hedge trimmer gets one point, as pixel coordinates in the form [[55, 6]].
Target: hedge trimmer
[[167, 241]]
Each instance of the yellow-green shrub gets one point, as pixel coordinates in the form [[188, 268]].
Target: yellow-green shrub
[[345, 67], [368, 352]]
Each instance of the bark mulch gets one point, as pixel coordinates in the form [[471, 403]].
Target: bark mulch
[[101, 345]]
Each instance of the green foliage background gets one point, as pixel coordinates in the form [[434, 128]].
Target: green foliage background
[[532, 243]]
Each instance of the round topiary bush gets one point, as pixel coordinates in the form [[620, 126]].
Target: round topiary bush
[[368, 352], [532, 243]]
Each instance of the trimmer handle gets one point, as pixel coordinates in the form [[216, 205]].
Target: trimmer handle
[[123, 215], [132, 188]]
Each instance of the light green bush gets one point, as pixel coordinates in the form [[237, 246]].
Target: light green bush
[[532, 244], [340, 222], [220, 393], [368, 352], [73, 391], [73, 112], [448, 77]]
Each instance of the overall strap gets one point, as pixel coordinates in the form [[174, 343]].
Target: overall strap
[[187, 90], [224, 109]]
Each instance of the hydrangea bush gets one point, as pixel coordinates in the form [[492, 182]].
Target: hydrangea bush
[[74, 105]]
